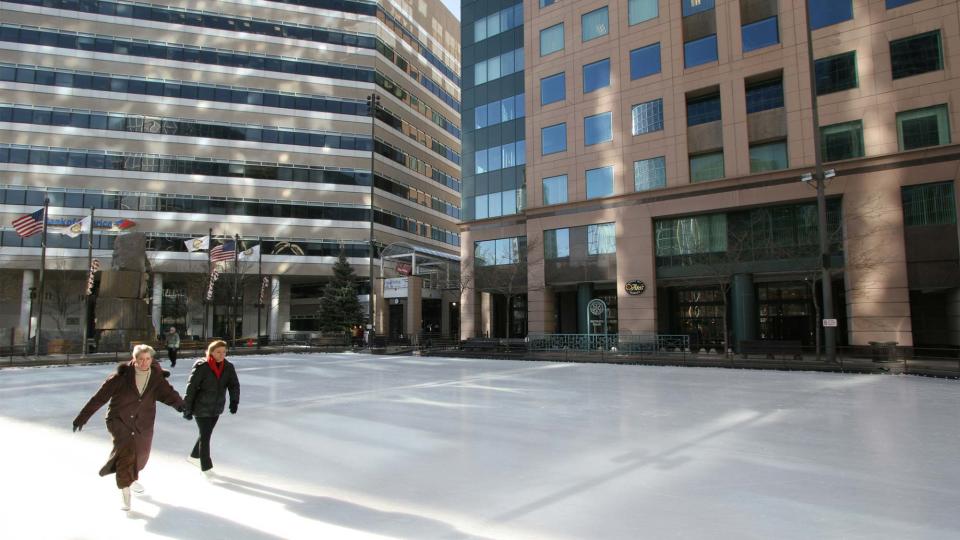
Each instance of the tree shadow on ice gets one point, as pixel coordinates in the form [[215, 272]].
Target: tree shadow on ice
[[350, 515], [186, 524]]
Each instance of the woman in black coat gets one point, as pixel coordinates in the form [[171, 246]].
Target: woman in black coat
[[209, 381]]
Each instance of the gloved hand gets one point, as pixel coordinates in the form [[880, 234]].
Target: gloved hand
[[77, 426], [233, 408], [187, 415]]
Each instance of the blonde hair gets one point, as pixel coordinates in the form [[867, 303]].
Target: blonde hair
[[215, 345], [143, 348]]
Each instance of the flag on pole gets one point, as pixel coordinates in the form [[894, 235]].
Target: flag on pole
[[78, 228], [29, 224], [214, 275], [198, 244], [224, 252], [250, 254]]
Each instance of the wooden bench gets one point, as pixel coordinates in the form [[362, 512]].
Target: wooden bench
[[772, 348]]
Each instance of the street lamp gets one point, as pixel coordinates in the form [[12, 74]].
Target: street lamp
[[818, 180], [373, 101]]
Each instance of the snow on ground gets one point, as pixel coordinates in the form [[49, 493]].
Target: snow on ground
[[355, 446]]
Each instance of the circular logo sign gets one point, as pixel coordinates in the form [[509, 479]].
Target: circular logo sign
[[635, 287]]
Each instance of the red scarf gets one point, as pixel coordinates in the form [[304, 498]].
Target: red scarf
[[217, 368]]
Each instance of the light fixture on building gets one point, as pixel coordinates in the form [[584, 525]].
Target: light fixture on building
[[806, 178], [829, 173]]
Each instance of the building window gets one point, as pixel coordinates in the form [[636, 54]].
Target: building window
[[555, 190], [695, 6], [897, 3], [703, 109], [764, 95], [498, 66], [556, 243], [551, 39], [596, 75], [842, 141], [498, 252], [645, 61], [836, 73], [500, 157], [706, 167], [594, 24], [760, 34], [768, 156], [827, 12], [650, 174], [498, 23], [916, 54], [923, 127], [553, 139], [553, 89], [598, 129], [691, 235], [601, 239], [599, 182], [545, 3], [647, 117], [502, 110], [642, 10], [929, 204], [700, 51]]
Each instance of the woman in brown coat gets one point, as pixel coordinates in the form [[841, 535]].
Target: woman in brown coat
[[133, 392]]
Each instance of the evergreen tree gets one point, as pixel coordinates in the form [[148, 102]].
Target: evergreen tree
[[339, 307]]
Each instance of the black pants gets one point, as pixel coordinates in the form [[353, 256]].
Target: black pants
[[172, 355], [201, 450]]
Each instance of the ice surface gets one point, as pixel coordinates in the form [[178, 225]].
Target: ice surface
[[355, 446]]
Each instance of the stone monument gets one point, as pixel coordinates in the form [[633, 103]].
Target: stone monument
[[122, 314]]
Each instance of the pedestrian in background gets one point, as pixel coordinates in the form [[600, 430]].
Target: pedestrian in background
[[173, 346], [205, 398], [133, 392]]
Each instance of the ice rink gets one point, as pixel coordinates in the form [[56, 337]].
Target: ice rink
[[355, 446]]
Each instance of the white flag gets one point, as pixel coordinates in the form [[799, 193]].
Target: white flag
[[198, 244], [78, 228], [250, 254]]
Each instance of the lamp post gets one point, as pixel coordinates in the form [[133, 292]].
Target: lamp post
[[819, 180], [28, 341], [373, 101]]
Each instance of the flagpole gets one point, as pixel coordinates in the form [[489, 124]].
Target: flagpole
[[86, 297], [43, 264], [206, 303], [233, 301], [259, 284]]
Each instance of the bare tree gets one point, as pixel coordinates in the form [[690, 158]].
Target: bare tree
[[505, 273], [64, 290]]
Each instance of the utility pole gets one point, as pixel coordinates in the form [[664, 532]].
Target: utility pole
[[259, 284], [43, 265], [236, 284], [206, 301], [373, 101], [86, 297], [829, 332]]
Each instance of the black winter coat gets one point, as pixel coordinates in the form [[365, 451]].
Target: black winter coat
[[206, 395]]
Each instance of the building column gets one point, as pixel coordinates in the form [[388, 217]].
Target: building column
[[157, 305], [637, 313], [744, 308], [953, 316], [877, 290], [584, 295], [28, 279], [414, 307], [381, 309], [274, 307], [486, 314]]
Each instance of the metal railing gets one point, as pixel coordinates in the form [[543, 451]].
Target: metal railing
[[623, 343]]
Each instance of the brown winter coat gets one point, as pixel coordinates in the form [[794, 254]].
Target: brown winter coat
[[130, 418]]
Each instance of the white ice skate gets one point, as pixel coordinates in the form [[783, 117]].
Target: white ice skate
[[125, 493], [193, 461], [137, 487], [209, 474]]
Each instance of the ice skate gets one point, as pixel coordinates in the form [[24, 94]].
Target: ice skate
[[193, 461], [137, 487], [125, 494], [209, 474]]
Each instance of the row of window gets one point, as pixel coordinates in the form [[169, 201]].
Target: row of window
[[499, 203], [150, 49], [497, 23], [506, 155], [498, 66], [499, 111], [92, 159], [601, 239], [204, 92], [168, 126], [228, 207], [500, 252], [909, 56]]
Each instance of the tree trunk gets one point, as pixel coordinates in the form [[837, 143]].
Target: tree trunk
[[726, 332], [817, 327]]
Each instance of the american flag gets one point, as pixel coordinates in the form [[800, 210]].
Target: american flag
[[29, 224], [224, 252]]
